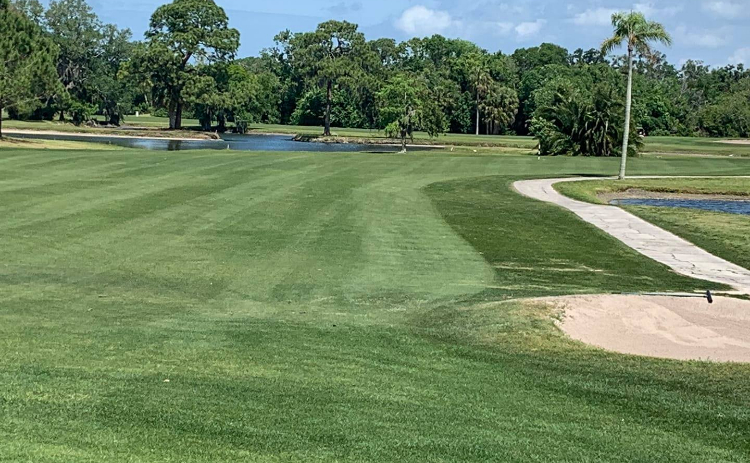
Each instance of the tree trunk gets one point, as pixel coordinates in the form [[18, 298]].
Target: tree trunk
[[477, 115], [327, 129], [172, 109], [628, 106], [178, 116], [62, 116], [1, 122]]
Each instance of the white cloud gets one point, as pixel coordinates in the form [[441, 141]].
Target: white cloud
[[528, 29], [724, 9], [594, 17], [503, 28], [707, 40], [698, 38], [650, 10], [740, 56], [422, 21], [603, 16]]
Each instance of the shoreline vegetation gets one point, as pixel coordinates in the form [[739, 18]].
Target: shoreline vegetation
[[156, 127], [116, 133], [149, 127], [601, 191]]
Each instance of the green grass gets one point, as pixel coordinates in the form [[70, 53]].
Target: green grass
[[725, 235], [654, 146], [694, 146], [506, 141], [9, 142], [590, 191], [152, 127], [327, 307], [146, 120]]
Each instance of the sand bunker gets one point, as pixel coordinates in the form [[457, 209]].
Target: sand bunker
[[734, 142], [666, 327]]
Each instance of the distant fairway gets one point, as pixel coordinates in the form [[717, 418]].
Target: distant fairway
[[223, 306]]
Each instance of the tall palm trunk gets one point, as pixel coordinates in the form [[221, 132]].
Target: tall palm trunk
[[628, 107], [327, 130], [477, 113]]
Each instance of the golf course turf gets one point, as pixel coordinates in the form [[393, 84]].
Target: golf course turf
[[724, 235], [225, 306]]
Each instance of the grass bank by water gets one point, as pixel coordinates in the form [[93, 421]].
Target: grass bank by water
[[722, 234]]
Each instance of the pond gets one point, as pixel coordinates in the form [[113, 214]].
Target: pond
[[229, 141], [714, 205]]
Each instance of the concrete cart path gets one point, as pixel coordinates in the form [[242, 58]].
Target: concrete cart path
[[648, 239]]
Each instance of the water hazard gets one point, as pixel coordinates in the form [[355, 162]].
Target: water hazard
[[228, 141], [714, 205]]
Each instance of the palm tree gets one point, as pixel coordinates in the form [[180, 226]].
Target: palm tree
[[637, 32]]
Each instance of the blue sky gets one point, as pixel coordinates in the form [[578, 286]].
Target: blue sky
[[715, 31]]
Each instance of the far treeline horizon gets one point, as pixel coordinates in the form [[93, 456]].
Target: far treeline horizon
[[63, 63]]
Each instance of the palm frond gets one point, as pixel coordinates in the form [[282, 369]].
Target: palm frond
[[609, 45]]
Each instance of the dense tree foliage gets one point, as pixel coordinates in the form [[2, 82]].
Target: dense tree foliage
[[27, 60], [405, 104], [182, 34], [582, 113], [334, 77]]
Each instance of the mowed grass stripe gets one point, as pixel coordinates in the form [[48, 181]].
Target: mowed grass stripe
[[331, 308]]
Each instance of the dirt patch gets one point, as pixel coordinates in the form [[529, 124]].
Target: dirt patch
[[664, 327], [637, 193]]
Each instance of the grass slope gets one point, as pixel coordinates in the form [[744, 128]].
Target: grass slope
[[589, 191], [151, 127], [725, 235], [695, 146], [315, 307], [7, 143]]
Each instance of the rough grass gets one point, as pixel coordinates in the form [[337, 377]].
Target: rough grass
[[152, 127], [319, 307], [722, 234], [694, 146], [9, 142], [590, 191], [377, 136], [725, 235]]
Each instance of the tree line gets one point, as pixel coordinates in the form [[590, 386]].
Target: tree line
[[63, 62]]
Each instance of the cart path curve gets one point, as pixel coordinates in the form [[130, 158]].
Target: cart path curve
[[656, 243]]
